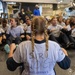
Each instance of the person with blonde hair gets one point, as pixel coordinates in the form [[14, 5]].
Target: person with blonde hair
[[39, 55]]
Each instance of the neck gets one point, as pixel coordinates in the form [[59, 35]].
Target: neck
[[39, 37], [54, 24], [60, 21], [13, 26]]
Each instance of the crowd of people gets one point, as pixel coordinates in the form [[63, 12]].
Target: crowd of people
[[22, 14], [37, 43]]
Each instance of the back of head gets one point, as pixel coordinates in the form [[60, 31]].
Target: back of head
[[38, 25], [72, 21], [4, 22], [39, 28]]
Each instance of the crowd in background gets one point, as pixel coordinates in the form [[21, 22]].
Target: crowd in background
[[35, 43], [18, 29]]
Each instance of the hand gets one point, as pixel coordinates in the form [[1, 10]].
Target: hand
[[4, 37], [28, 37], [52, 30], [22, 36], [72, 27], [12, 48], [65, 52]]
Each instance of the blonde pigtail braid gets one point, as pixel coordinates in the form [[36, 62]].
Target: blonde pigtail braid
[[32, 40], [46, 38]]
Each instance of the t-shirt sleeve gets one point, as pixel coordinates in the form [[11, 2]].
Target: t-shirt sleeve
[[17, 55], [22, 31], [60, 54], [48, 28], [8, 31], [2, 31], [60, 27], [65, 63], [12, 65]]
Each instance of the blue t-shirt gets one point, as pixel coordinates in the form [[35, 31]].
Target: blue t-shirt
[[36, 12]]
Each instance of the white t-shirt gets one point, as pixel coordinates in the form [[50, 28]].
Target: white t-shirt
[[28, 30], [68, 27], [24, 26], [15, 32], [62, 24], [1, 31], [41, 64], [6, 28], [56, 30], [73, 33]]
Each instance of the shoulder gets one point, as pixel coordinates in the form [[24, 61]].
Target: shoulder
[[53, 45], [74, 29], [25, 43], [56, 50], [1, 29], [50, 26], [59, 25], [63, 23], [23, 46], [19, 27], [9, 27]]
